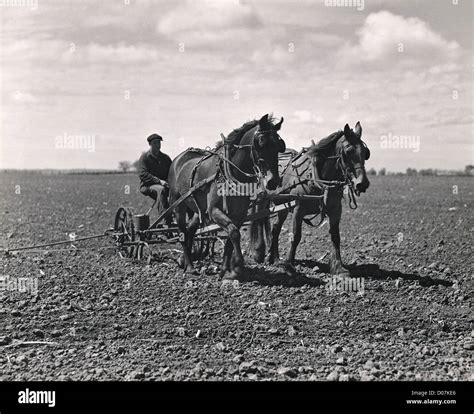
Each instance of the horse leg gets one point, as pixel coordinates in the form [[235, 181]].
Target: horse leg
[[296, 233], [184, 239], [226, 258], [335, 263], [233, 232], [274, 253], [191, 231], [259, 248], [257, 234]]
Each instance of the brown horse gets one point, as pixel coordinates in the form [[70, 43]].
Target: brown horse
[[322, 170], [248, 152]]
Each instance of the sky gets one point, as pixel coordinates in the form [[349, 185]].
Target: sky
[[84, 82]]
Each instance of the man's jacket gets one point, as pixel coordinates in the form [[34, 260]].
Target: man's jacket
[[151, 169]]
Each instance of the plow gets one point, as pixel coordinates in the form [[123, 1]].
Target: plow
[[133, 236]]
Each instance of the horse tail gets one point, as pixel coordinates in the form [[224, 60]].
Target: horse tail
[[255, 242], [254, 231], [267, 228], [265, 222]]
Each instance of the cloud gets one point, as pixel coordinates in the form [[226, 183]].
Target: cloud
[[134, 48], [453, 116], [69, 52], [385, 35], [25, 50], [209, 21]]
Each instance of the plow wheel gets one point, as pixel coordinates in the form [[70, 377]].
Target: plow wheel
[[125, 231], [142, 250]]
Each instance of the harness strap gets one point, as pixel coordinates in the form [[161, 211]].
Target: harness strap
[[323, 185], [187, 194], [191, 182], [222, 165]]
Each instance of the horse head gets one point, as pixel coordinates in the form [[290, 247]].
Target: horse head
[[353, 153], [267, 144]]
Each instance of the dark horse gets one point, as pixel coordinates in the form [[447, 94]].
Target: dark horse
[[247, 153], [321, 170]]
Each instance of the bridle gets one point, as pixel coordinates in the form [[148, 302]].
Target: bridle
[[346, 170], [342, 159], [259, 164], [224, 161]]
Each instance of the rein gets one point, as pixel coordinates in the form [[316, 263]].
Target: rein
[[326, 185], [342, 166], [223, 163]]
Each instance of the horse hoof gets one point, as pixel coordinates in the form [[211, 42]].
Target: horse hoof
[[191, 272], [230, 276], [340, 271], [337, 269], [223, 272]]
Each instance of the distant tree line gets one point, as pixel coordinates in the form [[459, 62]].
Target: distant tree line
[[373, 171], [127, 166], [468, 170]]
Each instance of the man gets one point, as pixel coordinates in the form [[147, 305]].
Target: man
[[153, 167]]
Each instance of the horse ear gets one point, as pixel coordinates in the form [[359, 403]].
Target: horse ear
[[312, 142], [263, 122], [278, 126], [358, 130], [347, 130]]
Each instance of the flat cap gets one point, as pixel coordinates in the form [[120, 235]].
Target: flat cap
[[154, 136]]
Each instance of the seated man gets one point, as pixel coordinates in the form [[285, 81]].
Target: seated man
[[153, 167]]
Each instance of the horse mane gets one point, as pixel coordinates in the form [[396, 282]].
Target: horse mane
[[325, 143], [236, 135]]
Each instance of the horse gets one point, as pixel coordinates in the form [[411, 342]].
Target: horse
[[322, 170], [245, 156]]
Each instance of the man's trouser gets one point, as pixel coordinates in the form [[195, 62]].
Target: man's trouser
[[160, 193]]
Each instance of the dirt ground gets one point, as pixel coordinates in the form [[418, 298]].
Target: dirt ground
[[99, 317]]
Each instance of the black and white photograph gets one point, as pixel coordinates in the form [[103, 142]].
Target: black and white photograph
[[233, 193]]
